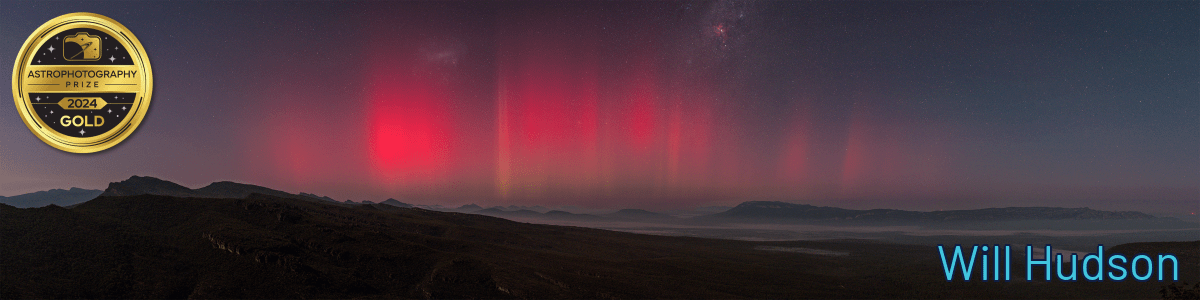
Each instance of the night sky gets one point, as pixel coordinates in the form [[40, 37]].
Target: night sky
[[911, 105]]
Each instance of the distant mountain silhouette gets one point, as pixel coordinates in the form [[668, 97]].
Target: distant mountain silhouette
[[530, 214], [58, 197], [698, 211], [536, 208], [432, 207], [492, 210], [469, 208], [569, 216], [319, 197], [757, 211], [142, 185], [396, 203], [227, 189], [714, 209], [638, 214], [496, 212], [583, 210], [772, 210]]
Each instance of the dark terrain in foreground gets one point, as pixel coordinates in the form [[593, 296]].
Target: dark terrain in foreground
[[261, 246]]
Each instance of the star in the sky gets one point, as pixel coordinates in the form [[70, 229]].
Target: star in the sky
[[112, 58], [110, 110], [51, 49], [122, 108]]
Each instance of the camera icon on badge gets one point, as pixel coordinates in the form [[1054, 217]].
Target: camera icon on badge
[[81, 47]]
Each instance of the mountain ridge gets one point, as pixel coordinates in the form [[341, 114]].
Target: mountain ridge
[[145, 185], [396, 203], [749, 210], [60, 197]]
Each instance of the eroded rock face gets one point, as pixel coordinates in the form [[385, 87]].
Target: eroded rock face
[[282, 254]]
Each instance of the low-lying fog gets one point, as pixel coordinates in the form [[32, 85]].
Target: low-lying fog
[[1079, 240]]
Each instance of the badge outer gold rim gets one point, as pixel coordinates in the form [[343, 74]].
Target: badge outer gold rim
[[113, 136]]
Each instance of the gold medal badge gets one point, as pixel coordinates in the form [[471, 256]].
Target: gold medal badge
[[82, 82]]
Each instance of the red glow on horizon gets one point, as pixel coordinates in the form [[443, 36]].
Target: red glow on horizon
[[548, 107], [409, 121], [855, 162], [643, 106], [574, 123], [287, 147], [793, 163]]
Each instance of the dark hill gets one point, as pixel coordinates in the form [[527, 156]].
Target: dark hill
[[140, 185], [227, 189], [152, 246]]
